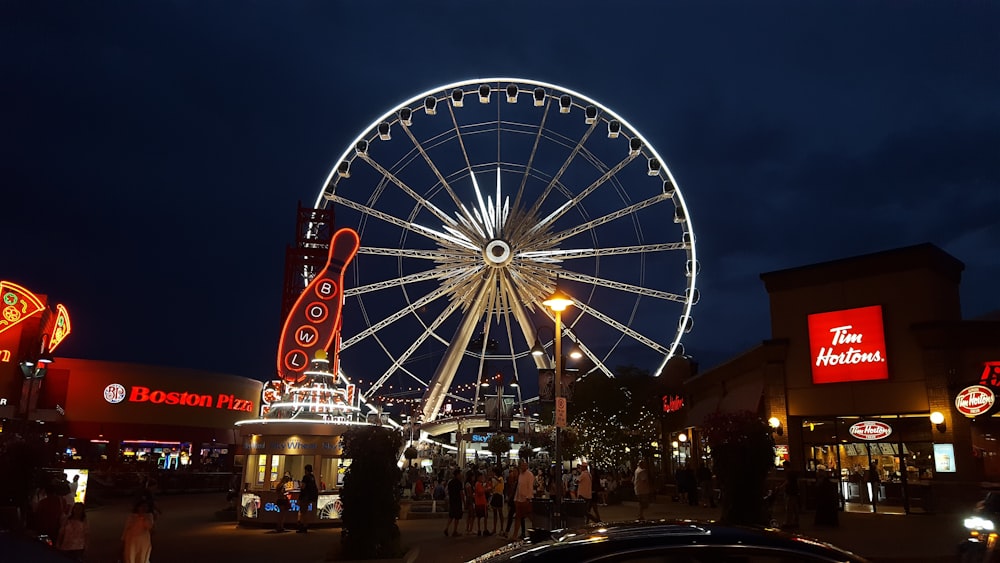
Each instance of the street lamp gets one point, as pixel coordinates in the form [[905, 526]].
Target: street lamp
[[485, 382], [558, 302]]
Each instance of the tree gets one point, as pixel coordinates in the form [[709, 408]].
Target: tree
[[498, 445], [370, 497], [742, 450], [525, 452], [612, 414]]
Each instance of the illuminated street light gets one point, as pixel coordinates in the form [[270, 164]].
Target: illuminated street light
[[558, 302]]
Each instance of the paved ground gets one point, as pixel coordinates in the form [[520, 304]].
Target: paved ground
[[189, 532]]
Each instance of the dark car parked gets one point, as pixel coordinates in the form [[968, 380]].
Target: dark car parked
[[670, 542]]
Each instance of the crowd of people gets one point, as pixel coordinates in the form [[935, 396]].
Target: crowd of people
[[489, 499], [60, 520]]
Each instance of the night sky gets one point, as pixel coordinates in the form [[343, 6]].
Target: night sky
[[153, 154]]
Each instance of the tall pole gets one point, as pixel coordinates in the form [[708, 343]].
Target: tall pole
[[558, 302], [558, 390]]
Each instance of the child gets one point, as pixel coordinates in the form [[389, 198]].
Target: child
[[480, 493], [72, 539], [496, 499], [470, 500]]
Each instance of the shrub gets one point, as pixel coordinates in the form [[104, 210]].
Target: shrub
[[742, 450], [370, 496]]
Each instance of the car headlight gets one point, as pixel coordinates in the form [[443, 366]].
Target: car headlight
[[978, 523]]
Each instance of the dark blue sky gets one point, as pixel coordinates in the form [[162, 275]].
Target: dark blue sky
[[152, 154]]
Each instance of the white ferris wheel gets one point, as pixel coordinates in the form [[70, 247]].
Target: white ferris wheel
[[472, 202]]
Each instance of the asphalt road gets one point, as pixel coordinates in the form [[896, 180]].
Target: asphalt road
[[188, 531]]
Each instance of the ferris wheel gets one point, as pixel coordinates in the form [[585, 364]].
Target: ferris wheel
[[473, 202]]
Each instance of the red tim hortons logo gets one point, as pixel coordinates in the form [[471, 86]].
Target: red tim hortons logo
[[974, 400], [871, 430]]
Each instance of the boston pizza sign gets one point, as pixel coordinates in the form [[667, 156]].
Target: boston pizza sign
[[870, 430], [974, 400]]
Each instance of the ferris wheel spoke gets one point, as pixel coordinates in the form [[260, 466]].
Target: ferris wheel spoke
[[645, 291], [409, 308], [430, 163], [598, 363], [584, 227], [562, 170], [441, 238], [435, 255], [433, 274], [397, 363], [441, 215], [530, 286], [562, 209], [560, 255], [621, 327], [531, 157]]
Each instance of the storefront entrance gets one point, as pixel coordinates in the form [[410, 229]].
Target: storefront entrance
[[889, 475]]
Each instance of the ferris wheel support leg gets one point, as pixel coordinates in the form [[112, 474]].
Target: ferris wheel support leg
[[437, 389]]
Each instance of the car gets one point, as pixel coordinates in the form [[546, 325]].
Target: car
[[669, 541]]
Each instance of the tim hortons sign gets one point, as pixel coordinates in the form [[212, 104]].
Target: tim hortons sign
[[848, 345], [974, 400], [870, 430]]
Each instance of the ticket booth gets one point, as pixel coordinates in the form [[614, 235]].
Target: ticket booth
[[272, 449]]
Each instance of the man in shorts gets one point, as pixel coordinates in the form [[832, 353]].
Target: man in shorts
[[585, 491], [522, 498]]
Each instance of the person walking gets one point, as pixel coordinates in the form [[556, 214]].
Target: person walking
[[72, 540], [137, 541], [456, 502], [49, 513], [470, 500], [585, 491], [283, 503], [643, 487], [481, 492], [496, 499], [791, 490], [308, 495], [705, 485], [522, 499], [510, 492]]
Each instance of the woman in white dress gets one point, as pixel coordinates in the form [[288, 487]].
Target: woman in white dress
[[137, 542]]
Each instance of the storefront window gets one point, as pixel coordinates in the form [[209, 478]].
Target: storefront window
[[867, 468]]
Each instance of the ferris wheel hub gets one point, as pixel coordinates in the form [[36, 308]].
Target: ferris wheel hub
[[498, 253]]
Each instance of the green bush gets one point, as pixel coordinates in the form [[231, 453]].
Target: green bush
[[370, 495]]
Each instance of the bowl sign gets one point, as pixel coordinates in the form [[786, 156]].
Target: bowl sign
[[974, 400], [870, 430]]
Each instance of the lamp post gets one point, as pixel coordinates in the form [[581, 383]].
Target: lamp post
[[485, 382], [34, 371], [558, 302]]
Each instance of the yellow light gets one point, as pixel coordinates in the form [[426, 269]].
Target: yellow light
[[682, 437], [774, 422], [558, 301], [937, 417]]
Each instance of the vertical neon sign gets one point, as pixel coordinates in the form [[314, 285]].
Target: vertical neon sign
[[314, 321]]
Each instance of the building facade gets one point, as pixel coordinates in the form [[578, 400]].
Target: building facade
[[860, 377]]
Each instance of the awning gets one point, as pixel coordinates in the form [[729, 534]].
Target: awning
[[745, 397], [697, 413]]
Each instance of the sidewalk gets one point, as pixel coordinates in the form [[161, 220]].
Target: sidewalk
[[883, 538], [189, 532]]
